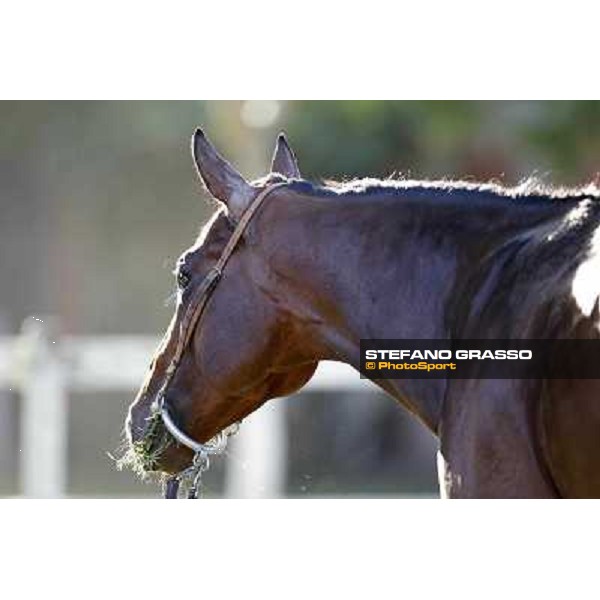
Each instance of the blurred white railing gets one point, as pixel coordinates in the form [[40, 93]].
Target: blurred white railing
[[44, 367]]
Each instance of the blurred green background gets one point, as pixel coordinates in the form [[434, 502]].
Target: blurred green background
[[99, 198]]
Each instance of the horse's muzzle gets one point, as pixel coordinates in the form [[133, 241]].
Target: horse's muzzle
[[154, 448]]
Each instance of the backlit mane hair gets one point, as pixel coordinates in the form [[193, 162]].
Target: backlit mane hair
[[531, 188]]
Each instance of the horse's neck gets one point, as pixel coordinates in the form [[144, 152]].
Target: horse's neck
[[373, 269]]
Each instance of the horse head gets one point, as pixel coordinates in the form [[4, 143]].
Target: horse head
[[246, 348]]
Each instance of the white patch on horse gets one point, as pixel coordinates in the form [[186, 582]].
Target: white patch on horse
[[586, 287], [444, 476]]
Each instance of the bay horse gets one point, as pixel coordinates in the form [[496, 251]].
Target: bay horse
[[313, 269]]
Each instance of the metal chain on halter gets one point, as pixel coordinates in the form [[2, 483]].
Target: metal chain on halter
[[192, 476]]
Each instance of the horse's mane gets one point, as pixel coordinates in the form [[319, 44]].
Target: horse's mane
[[531, 188]]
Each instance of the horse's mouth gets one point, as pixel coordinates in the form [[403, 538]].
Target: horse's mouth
[[157, 452], [153, 453]]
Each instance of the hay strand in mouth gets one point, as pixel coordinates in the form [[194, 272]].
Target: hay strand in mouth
[[142, 455]]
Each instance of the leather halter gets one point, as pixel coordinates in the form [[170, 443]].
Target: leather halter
[[191, 319]]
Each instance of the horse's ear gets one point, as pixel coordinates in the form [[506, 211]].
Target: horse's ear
[[219, 177], [284, 160]]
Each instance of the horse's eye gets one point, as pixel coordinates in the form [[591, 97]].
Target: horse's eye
[[183, 279]]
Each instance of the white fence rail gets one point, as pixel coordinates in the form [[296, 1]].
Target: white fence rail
[[44, 367]]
